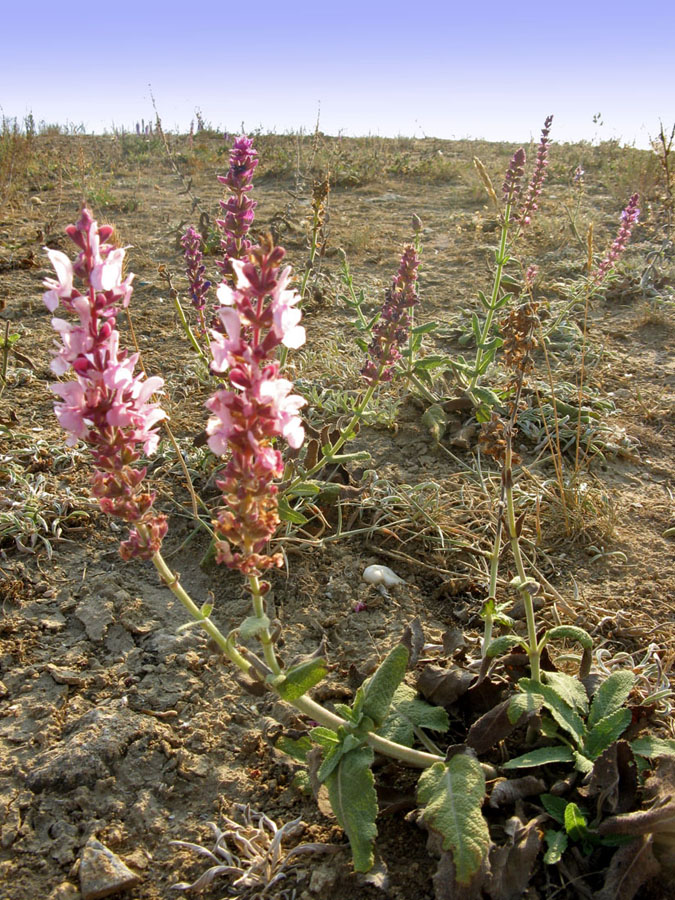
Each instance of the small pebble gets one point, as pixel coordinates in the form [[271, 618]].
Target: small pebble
[[381, 575], [102, 873]]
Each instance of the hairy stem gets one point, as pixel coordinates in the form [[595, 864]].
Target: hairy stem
[[487, 325]]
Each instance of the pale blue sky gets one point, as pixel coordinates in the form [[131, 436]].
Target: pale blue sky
[[443, 69]]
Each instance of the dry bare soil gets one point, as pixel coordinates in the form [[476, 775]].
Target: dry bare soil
[[115, 724]]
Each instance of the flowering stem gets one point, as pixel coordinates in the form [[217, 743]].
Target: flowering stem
[[329, 453], [307, 706], [487, 325], [170, 579], [264, 634], [534, 652]]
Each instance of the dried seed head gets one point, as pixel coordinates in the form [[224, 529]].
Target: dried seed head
[[485, 178]]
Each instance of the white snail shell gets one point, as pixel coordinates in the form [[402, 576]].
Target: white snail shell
[[381, 575]]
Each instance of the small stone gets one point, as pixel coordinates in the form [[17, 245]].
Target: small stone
[[65, 891], [102, 873]]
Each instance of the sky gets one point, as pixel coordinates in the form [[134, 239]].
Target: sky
[[438, 69]]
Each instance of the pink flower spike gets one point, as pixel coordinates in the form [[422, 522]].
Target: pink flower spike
[[286, 320], [225, 294], [70, 413], [63, 286], [221, 347], [107, 274]]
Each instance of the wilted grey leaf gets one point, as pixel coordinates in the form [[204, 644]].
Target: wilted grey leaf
[[378, 876], [512, 865], [659, 819], [445, 879], [510, 790], [444, 686], [630, 867], [453, 639], [613, 779], [413, 639], [492, 727]]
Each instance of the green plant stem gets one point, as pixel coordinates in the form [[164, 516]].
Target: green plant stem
[[487, 325], [332, 450], [264, 634], [534, 652], [171, 580], [494, 568], [424, 391], [415, 758]]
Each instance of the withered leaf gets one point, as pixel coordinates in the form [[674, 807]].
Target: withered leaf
[[453, 639], [659, 819], [413, 641], [510, 790], [613, 779], [445, 879], [491, 728], [631, 866], [512, 864], [444, 686]]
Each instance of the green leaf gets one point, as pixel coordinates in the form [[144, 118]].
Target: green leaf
[[361, 344], [582, 763], [554, 806], [325, 737], [305, 489], [503, 301], [347, 743], [563, 714], [428, 363], [407, 712], [380, 687], [572, 633], [299, 679], [475, 327], [570, 689], [503, 644], [575, 823], [606, 732], [435, 421], [484, 300], [486, 396], [353, 799], [610, 696], [523, 703], [296, 749], [540, 757], [288, 514], [425, 329], [556, 842], [452, 796], [651, 747], [252, 626]]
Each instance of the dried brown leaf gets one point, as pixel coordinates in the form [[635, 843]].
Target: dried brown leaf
[[444, 686], [413, 641], [492, 727], [613, 779], [631, 866], [512, 865], [507, 792]]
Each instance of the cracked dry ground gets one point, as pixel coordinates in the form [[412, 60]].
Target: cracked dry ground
[[115, 724]]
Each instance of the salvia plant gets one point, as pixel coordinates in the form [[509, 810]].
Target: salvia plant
[[578, 724]]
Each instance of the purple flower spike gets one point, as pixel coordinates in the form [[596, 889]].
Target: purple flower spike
[[511, 186], [199, 286], [238, 208], [538, 176], [629, 218], [391, 332]]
